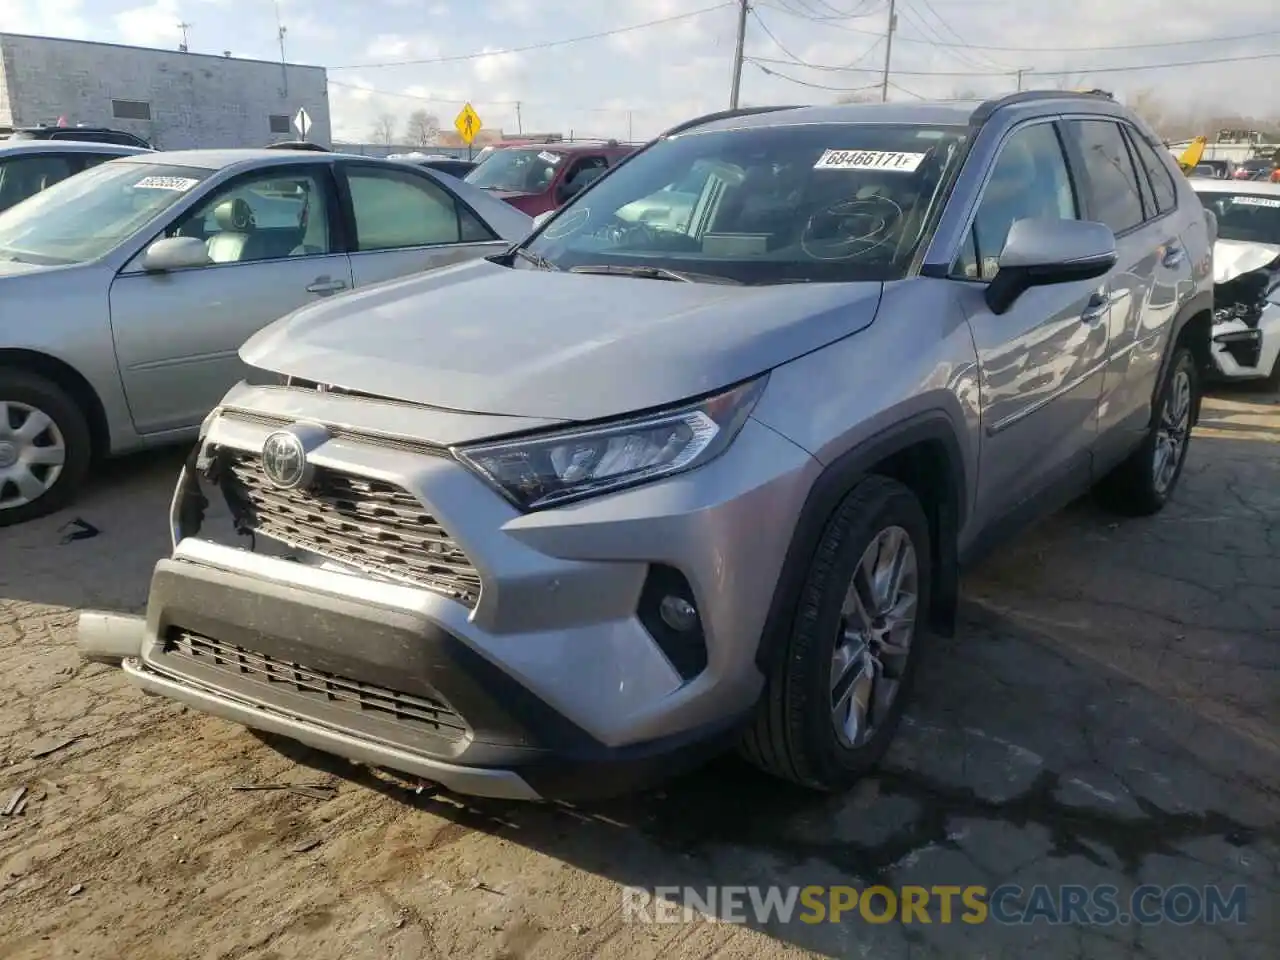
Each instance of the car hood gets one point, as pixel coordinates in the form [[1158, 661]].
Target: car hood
[[12, 268], [482, 338], [1235, 258]]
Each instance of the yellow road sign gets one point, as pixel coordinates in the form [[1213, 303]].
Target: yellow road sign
[[467, 123]]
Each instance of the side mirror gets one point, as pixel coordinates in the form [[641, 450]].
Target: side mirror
[[175, 253], [1039, 252], [542, 218]]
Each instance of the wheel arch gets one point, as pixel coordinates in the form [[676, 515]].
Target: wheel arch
[[69, 379], [922, 452], [1192, 328]]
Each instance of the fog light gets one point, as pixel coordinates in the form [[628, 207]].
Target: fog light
[[669, 612], [678, 613]]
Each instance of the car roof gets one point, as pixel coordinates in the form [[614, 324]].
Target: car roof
[[70, 146], [1261, 187], [571, 148]]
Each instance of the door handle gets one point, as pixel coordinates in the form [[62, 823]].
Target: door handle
[[325, 285], [1173, 257], [1096, 308]]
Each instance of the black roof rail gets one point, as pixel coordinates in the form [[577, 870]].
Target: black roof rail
[[723, 115], [988, 107]]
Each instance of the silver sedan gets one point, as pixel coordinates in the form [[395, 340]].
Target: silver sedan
[[127, 290]]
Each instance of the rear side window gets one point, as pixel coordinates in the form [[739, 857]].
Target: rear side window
[[1111, 183], [1162, 185], [22, 177]]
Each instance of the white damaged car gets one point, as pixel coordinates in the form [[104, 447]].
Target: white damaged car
[[1246, 276]]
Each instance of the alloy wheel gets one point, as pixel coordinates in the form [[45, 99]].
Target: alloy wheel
[[1172, 431], [877, 625]]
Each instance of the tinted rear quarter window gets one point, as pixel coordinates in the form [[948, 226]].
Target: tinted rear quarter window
[[1111, 181], [1157, 172]]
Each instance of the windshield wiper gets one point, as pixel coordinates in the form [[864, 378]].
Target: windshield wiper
[[655, 273], [539, 261]]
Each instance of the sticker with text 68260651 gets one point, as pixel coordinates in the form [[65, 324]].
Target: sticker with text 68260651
[[892, 160]]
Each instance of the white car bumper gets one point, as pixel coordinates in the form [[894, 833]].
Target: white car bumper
[[1241, 353]]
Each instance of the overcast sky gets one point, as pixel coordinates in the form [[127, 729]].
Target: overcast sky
[[638, 81]]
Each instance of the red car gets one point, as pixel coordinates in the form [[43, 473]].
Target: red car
[[539, 177]]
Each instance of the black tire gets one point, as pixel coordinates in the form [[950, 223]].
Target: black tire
[[793, 736], [35, 391], [1132, 488]]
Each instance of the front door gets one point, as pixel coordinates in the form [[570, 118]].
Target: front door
[[406, 222], [1040, 361], [271, 250]]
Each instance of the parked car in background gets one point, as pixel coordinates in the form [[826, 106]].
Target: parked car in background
[[544, 176], [453, 166], [81, 135], [581, 515], [1215, 169], [29, 166], [1255, 168], [1246, 267], [147, 273], [298, 145]]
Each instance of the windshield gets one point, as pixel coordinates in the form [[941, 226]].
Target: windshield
[[85, 216], [523, 171], [820, 202], [1250, 217]]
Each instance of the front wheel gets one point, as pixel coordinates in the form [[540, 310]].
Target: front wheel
[[834, 701], [44, 447], [1143, 484]]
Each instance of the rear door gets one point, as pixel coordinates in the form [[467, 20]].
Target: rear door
[[402, 222], [1143, 288], [275, 244]]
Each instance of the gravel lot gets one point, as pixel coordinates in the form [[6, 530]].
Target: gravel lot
[[1110, 713]]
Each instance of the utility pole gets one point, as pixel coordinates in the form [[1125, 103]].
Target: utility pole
[[629, 126], [743, 9], [1021, 72], [519, 119], [184, 27], [284, 70], [888, 50]]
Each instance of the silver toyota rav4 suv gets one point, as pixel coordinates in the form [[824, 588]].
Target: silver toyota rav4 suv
[[699, 462]]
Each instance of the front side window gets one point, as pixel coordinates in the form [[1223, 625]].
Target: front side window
[[1250, 217], [530, 170], [817, 202], [1030, 180], [86, 216], [269, 216], [21, 177], [1114, 197], [394, 209]]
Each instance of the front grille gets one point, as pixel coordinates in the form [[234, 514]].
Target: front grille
[[370, 524], [336, 692]]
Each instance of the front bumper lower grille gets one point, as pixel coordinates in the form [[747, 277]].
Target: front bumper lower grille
[[368, 524], [269, 673]]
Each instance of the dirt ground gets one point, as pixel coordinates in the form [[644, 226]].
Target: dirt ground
[[1109, 713]]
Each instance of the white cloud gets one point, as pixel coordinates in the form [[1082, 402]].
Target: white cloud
[[154, 25], [62, 18], [497, 67]]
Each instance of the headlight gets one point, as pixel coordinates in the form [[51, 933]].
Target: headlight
[[554, 468]]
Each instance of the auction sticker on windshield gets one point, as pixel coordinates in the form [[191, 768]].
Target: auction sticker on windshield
[[165, 183], [869, 160], [1255, 202], [549, 157]]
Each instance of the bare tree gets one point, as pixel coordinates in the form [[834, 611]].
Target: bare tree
[[860, 96], [384, 129], [421, 128], [1147, 104]]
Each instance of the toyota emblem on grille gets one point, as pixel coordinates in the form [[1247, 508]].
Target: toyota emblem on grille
[[284, 460]]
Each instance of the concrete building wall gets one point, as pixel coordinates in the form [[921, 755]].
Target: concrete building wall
[[193, 100]]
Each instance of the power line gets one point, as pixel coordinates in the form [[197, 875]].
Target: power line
[[1155, 45], [962, 41], [482, 103], [1078, 71], [805, 12], [805, 83], [546, 45], [934, 38]]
